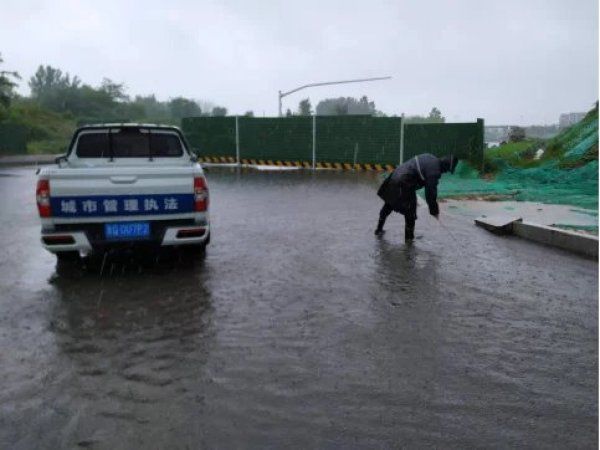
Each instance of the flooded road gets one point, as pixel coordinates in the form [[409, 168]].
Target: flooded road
[[298, 328]]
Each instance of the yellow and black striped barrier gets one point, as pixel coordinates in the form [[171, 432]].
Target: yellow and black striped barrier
[[301, 164]]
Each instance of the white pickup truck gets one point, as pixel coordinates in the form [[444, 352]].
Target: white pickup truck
[[122, 185]]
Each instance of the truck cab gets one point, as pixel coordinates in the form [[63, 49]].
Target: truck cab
[[123, 185]]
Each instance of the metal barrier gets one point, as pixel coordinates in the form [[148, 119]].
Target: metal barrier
[[329, 141]]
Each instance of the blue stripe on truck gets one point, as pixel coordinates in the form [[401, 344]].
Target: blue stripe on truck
[[121, 205]]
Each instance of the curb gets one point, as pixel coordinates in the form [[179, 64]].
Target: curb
[[567, 240]]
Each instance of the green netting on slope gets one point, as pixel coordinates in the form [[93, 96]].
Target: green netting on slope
[[588, 136], [567, 174], [573, 135], [578, 144], [546, 184], [549, 184]]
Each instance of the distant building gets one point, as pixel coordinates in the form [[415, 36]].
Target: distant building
[[568, 119]]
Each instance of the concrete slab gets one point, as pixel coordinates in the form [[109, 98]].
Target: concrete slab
[[576, 242], [583, 244], [559, 216], [497, 224]]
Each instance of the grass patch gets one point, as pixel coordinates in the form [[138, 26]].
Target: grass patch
[[47, 131]]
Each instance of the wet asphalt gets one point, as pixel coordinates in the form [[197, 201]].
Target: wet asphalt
[[298, 328]]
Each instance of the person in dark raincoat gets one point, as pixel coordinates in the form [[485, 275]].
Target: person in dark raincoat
[[399, 190]]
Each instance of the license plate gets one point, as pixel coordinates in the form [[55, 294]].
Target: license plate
[[127, 230]]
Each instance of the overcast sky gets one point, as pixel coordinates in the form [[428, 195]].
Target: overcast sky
[[510, 61]]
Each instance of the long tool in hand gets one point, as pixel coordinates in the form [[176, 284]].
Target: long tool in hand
[[460, 245], [437, 219], [448, 231]]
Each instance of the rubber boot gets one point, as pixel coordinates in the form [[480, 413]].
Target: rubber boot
[[409, 234], [379, 230]]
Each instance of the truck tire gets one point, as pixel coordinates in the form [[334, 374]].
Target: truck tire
[[67, 256], [191, 251]]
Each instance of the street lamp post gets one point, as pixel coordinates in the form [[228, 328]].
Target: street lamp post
[[284, 94]]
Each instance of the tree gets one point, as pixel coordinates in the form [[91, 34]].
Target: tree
[[249, 114], [7, 85], [516, 134], [114, 90], [435, 116], [54, 90], [288, 113], [151, 108], [181, 107], [365, 106], [205, 106], [341, 108], [48, 79], [346, 106], [304, 107], [219, 111]]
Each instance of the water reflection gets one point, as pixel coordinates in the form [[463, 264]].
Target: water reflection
[[134, 337]]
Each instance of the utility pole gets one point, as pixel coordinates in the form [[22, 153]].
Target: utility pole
[[284, 94], [237, 140], [314, 136], [280, 96]]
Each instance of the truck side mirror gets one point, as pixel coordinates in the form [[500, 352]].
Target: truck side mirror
[[194, 154], [59, 159]]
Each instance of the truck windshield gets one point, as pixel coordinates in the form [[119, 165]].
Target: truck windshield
[[128, 143]]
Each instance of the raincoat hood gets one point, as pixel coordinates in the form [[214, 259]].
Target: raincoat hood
[[448, 163]]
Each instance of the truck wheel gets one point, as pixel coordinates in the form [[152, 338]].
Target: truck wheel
[[67, 256], [193, 251], [199, 248]]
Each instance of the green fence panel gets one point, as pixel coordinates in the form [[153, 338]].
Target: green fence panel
[[358, 139], [13, 138], [276, 139], [339, 139], [210, 136], [464, 140]]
